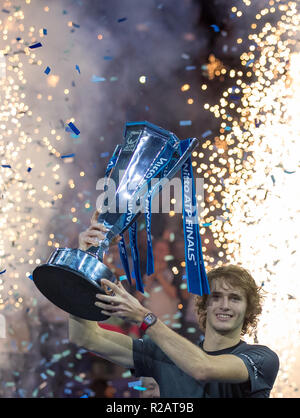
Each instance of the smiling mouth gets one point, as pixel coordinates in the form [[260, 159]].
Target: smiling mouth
[[223, 317]]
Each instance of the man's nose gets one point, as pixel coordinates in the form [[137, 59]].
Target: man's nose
[[225, 302]]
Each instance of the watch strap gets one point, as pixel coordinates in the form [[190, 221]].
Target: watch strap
[[144, 326]]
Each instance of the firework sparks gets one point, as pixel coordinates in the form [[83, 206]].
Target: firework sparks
[[254, 173]]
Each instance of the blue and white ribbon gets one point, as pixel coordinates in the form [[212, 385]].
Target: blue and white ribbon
[[196, 275]]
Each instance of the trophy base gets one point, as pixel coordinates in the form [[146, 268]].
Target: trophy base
[[69, 290]]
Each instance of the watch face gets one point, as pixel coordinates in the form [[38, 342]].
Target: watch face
[[149, 318]]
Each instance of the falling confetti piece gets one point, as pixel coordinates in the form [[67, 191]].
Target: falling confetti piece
[[77, 68], [74, 129], [37, 45], [249, 62], [273, 179], [104, 154], [47, 70], [169, 257], [5, 166], [215, 28], [96, 79], [176, 326], [3, 271], [50, 372], [122, 19], [45, 32], [67, 156], [135, 383], [141, 388], [185, 123], [190, 67], [191, 330], [206, 134]]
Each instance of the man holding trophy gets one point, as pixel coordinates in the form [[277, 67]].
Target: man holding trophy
[[228, 299], [224, 366]]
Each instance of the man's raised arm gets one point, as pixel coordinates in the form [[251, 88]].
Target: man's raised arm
[[110, 345]]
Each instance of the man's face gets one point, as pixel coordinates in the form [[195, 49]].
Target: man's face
[[226, 307]]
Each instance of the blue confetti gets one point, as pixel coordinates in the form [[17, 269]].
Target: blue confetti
[[75, 25], [47, 71], [273, 179], [215, 28], [136, 383], [30, 277], [3, 271], [96, 79], [206, 133], [5, 11], [207, 224], [190, 67], [44, 337], [45, 32], [249, 62], [108, 58], [21, 393], [185, 123], [122, 19], [77, 68], [74, 129], [257, 123], [29, 169], [67, 156], [5, 166], [139, 388], [67, 391], [37, 45], [104, 154], [289, 172]]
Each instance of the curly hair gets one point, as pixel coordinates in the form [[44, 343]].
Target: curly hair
[[238, 277]]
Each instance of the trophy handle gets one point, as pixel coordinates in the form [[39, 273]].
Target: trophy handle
[[182, 159]]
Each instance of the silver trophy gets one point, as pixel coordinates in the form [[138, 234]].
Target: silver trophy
[[71, 277]]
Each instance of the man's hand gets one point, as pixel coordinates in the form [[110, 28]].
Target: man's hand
[[95, 233], [122, 304]]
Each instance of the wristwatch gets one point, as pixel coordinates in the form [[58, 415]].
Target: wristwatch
[[149, 319]]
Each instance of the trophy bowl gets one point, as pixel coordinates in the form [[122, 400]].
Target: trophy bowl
[[71, 280]]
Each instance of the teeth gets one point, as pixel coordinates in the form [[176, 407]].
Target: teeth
[[223, 316]]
